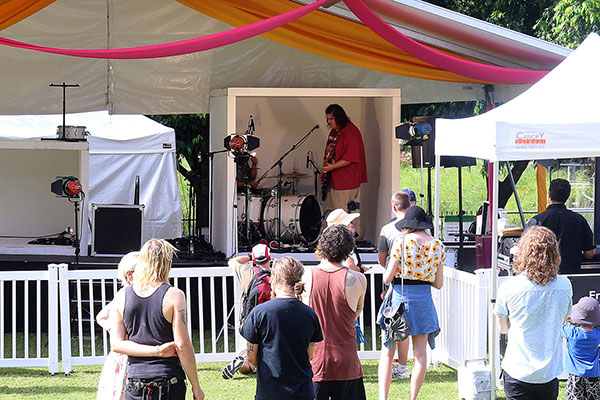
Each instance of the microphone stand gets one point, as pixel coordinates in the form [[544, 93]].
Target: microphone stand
[[211, 156], [279, 163], [317, 172]]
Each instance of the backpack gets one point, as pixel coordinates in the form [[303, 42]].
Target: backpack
[[257, 293]]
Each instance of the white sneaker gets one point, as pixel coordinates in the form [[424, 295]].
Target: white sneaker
[[400, 372]]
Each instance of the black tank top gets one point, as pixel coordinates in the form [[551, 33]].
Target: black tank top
[[145, 324]]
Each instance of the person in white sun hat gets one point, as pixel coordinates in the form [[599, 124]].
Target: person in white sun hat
[[341, 217]]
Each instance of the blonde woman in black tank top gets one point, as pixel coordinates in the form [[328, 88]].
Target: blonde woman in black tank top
[[150, 322]]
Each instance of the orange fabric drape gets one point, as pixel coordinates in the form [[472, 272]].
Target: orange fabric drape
[[542, 190], [13, 11], [326, 35]]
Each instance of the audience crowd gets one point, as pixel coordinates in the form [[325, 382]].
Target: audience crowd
[[302, 342]]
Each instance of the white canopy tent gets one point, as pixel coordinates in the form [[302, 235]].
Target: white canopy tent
[[182, 84], [556, 118], [121, 147]]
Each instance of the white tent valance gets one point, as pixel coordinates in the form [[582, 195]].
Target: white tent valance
[[556, 118]]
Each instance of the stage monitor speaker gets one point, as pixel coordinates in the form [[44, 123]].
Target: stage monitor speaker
[[429, 151], [116, 228]]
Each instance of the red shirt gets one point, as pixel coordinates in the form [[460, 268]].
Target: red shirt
[[349, 147]]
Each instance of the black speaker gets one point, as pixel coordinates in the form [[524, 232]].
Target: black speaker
[[427, 147], [428, 152], [116, 228]]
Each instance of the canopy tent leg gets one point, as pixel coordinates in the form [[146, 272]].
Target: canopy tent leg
[[493, 343], [436, 225]]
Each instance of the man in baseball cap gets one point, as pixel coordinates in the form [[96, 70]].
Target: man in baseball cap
[[261, 254], [411, 195], [246, 268]]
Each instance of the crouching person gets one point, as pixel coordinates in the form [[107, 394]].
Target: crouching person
[[152, 313], [281, 335]]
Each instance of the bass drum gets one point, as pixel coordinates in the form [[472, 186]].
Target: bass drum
[[300, 218]]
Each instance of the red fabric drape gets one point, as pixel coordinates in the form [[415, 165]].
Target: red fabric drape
[[181, 47], [459, 66]]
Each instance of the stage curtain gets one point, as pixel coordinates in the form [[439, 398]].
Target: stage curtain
[[327, 35], [542, 190], [13, 11]]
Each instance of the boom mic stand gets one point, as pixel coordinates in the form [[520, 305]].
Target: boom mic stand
[[279, 163], [317, 172]]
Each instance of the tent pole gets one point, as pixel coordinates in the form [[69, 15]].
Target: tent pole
[[493, 343], [514, 188], [436, 225]]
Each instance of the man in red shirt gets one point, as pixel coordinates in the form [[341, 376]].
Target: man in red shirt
[[344, 163]]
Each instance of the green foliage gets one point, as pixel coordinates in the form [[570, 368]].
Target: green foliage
[[450, 109], [517, 15], [569, 22], [192, 137]]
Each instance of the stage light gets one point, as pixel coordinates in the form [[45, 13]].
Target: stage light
[[66, 186], [240, 144]]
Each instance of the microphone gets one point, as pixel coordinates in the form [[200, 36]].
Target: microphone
[[315, 127], [250, 129], [307, 159]]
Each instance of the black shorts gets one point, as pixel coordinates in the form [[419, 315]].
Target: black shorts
[[155, 389], [519, 390], [340, 390]]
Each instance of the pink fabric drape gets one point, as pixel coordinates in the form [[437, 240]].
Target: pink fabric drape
[[180, 47], [459, 66]]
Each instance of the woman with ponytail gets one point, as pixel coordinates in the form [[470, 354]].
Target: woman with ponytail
[[281, 335]]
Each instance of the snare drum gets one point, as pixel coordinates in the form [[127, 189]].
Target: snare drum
[[255, 205], [300, 218], [72, 132]]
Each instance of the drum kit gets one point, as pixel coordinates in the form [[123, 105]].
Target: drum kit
[[301, 216], [278, 216]]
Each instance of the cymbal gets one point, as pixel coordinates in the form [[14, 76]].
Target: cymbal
[[290, 175]]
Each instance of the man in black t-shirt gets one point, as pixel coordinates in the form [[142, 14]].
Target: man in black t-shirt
[[281, 335], [575, 238]]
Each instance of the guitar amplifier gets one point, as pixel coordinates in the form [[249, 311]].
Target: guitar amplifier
[[116, 228]]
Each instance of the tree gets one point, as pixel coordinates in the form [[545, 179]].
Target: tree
[[191, 135], [517, 15], [569, 22]]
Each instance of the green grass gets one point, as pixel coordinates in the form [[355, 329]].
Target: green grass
[[475, 188], [35, 383]]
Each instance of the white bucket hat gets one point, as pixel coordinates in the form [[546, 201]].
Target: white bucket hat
[[340, 217]]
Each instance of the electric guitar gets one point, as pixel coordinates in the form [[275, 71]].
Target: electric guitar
[[330, 157]]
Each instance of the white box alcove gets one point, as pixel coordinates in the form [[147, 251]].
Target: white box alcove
[[29, 209], [282, 116]]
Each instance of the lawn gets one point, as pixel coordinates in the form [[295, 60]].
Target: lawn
[[475, 188], [35, 383]]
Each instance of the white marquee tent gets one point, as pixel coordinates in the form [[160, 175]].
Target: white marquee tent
[[555, 118], [120, 147], [182, 84]]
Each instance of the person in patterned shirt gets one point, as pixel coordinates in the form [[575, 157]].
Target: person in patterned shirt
[[419, 259]]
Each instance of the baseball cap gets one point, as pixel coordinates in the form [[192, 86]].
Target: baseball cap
[[340, 217], [260, 253], [411, 195]]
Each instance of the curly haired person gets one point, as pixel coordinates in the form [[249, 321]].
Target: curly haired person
[[531, 308]]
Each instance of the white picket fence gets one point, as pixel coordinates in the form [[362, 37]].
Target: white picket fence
[[66, 302]]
